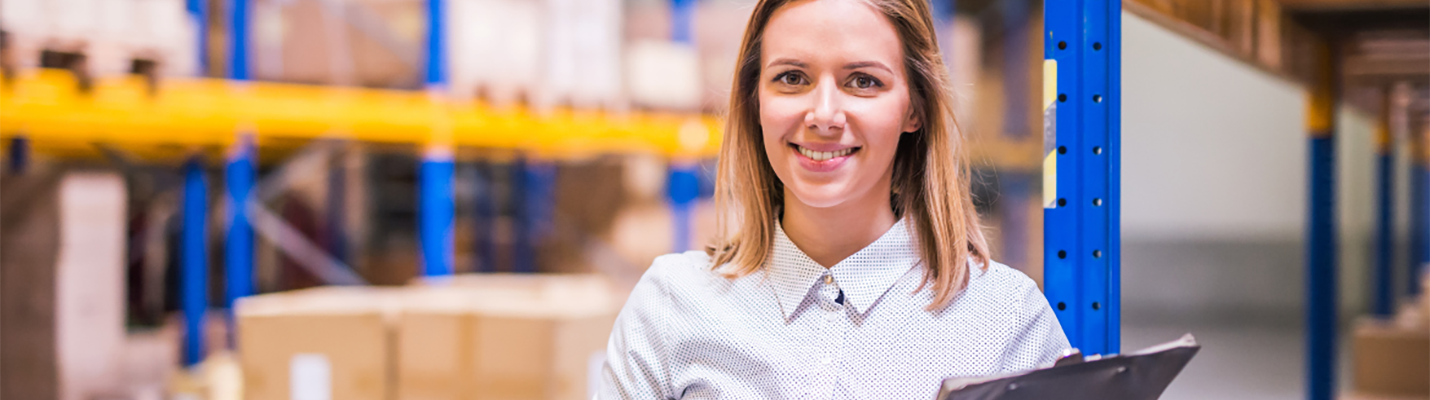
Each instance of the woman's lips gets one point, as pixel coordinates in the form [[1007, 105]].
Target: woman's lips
[[822, 161]]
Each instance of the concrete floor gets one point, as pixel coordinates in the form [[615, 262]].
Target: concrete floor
[[1238, 360]]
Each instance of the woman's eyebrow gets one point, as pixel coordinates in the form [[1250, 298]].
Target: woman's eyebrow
[[787, 61], [867, 64]]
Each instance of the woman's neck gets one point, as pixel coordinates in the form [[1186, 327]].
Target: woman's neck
[[829, 235]]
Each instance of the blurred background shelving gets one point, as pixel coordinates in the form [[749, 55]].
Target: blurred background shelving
[[210, 150]]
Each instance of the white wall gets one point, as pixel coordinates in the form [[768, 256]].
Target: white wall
[[1212, 147], [1214, 182]]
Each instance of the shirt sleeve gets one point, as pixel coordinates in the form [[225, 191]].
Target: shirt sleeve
[[1038, 339], [636, 355]]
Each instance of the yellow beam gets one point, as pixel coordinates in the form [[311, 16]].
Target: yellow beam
[[47, 106]]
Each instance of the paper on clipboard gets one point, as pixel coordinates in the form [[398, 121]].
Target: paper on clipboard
[[1143, 374]]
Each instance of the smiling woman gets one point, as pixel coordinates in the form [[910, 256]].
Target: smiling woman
[[849, 261]]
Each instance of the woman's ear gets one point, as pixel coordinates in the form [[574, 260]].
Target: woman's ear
[[912, 123]]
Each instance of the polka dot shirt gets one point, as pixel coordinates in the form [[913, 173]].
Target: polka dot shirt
[[796, 330]]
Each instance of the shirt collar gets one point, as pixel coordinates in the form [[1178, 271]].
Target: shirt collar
[[864, 276]]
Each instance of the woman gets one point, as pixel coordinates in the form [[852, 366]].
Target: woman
[[850, 264]]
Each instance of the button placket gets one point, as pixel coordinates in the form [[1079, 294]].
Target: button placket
[[831, 339]]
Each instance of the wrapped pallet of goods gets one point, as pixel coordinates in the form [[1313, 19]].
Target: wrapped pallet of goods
[[36, 27], [162, 32], [367, 43], [581, 55], [481, 31], [101, 37], [62, 311]]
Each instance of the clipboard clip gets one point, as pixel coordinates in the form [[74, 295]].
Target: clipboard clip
[[1070, 356]]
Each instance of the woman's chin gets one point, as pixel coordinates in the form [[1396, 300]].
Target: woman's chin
[[821, 195]]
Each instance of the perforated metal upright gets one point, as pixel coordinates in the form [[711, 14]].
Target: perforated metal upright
[[1082, 98]]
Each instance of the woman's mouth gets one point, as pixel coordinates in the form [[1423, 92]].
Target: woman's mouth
[[824, 155], [821, 161]]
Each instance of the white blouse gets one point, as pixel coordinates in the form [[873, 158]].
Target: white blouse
[[795, 330]]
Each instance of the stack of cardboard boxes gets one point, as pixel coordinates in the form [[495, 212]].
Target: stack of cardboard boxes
[[1391, 358], [62, 280], [487, 337]]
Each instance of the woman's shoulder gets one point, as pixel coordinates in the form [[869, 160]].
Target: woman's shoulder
[[677, 273], [676, 268], [1000, 280], [1000, 274]]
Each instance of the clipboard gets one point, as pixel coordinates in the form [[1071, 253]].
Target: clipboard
[[1137, 376]]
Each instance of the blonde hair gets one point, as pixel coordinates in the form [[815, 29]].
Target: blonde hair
[[930, 173]]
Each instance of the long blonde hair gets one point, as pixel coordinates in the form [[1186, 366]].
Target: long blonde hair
[[930, 174]]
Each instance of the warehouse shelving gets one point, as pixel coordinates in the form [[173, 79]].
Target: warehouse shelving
[[48, 111]]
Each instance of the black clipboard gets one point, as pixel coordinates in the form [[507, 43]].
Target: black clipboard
[[1137, 376]]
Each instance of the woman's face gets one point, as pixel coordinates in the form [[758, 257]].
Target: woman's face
[[834, 100]]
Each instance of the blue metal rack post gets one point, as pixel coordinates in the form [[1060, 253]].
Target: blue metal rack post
[[1383, 293], [1420, 207], [435, 213], [1321, 232], [337, 209], [682, 189], [239, 177], [484, 214], [436, 207], [194, 265], [683, 182], [532, 202], [239, 14], [19, 154], [1082, 98], [198, 14], [1417, 214], [435, 71]]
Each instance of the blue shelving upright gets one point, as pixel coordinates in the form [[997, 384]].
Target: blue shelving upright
[[1081, 183]]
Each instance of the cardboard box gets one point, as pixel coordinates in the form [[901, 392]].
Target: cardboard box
[[1390, 360], [323, 343], [504, 337], [501, 336]]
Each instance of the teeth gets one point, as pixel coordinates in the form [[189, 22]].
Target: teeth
[[824, 155]]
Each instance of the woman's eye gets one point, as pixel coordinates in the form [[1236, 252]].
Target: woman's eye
[[864, 82], [790, 78]]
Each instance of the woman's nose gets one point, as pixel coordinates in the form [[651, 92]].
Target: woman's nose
[[826, 113]]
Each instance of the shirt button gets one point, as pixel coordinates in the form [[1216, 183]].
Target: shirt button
[[829, 279]]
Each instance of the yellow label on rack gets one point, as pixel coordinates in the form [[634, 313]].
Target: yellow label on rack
[[1050, 132], [1050, 82], [1050, 180]]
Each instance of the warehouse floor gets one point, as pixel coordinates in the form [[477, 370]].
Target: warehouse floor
[[1240, 359]]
